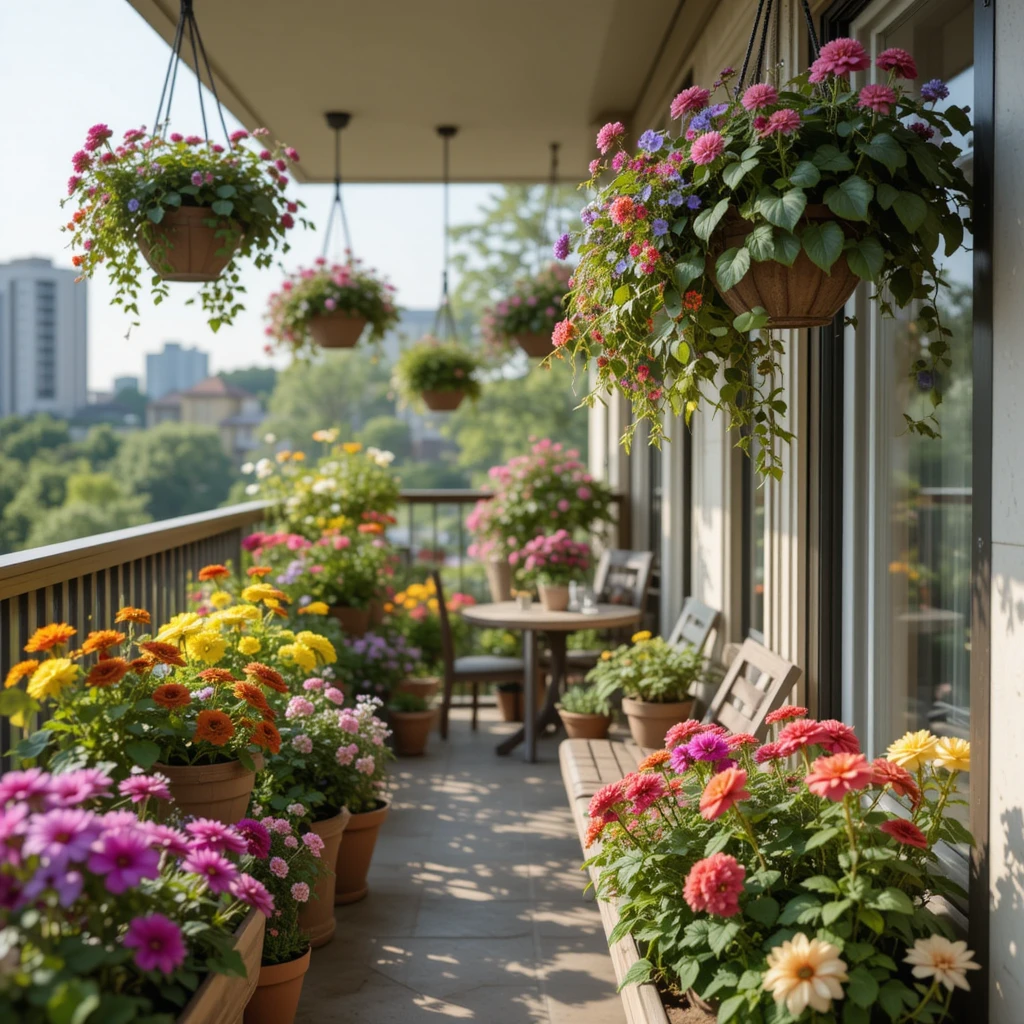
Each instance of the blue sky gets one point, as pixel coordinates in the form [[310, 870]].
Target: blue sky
[[65, 65]]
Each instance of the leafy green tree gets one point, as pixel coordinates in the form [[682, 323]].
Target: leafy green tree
[[133, 400], [390, 434], [100, 445], [12, 476], [44, 487], [77, 519], [177, 467], [257, 380], [37, 435]]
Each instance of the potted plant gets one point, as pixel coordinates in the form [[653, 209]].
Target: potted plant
[[288, 863], [809, 874], [528, 493], [411, 719], [552, 562], [329, 306], [374, 665], [765, 211], [654, 678], [193, 209], [528, 314], [440, 374], [585, 713]]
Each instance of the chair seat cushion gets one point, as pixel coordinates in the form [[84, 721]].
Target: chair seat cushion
[[488, 664]]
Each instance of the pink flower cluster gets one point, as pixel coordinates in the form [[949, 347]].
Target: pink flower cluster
[[554, 555]]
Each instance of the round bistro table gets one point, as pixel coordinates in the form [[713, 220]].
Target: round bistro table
[[556, 626]]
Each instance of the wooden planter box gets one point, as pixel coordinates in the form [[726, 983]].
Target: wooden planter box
[[221, 999]]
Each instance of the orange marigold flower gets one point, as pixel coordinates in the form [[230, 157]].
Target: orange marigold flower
[[251, 694], [214, 726], [652, 761], [214, 572], [247, 723], [278, 611], [47, 637], [217, 675], [266, 675], [594, 830], [106, 672], [101, 640], [172, 695], [269, 714], [19, 672], [166, 653], [266, 735], [143, 663], [137, 615], [259, 571], [370, 527]]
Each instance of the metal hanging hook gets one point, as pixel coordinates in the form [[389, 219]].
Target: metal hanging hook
[[338, 120], [445, 321]]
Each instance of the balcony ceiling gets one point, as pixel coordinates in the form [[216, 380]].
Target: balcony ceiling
[[514, 75]]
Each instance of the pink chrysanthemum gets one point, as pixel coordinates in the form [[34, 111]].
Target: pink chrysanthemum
[[313, 843], [605, 800], [839, 57], [741, 739], [878, 98], [714, 884], [279, 867], [564, 331], [141, 787], [898, 61], [689, 100], [157, 942], [681, 732], [833, 777], [253, 893], [707, 147], [782, 122], [768, 752], [838, 738], [797, 735], [643, 789], [608, 135], [300, 892], [784, 714], [760, 96]]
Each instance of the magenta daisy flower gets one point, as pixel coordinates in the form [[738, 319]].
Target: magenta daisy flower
[[157, 943], [253, 893], [707, 746], [24, 786], [256, 835], [164, 837], [62, 835], [142, 787], [218, 871], [680, 760], [124, 858], [71, 789], [208, 834], [12, 828]]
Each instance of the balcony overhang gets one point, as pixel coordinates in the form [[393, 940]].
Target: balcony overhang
[[514, 76]]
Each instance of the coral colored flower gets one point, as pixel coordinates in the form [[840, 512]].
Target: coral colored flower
[[266, 675], [102, 640], [898, 61], [172, 695], [608, 135], [784, 714], [217, 675], [688, 101], [714, 885], [564, 331], [839, 57], [838, 738], [798, 735], [722, 791], [944, 961], [621, 211], [157, 942], [886, 773], [833, 777], [653, 761], [707, 148], [45, 638], [137, 615], [741, 739], [904, 832], [214, 727], [265, 735], [805, 972], [913, 749], [251, 694], [953, 754], [218, 871], [214, 572], [681, 732], [760, 96], [642, 790], [605, 800], [879, 98], [594, 830]]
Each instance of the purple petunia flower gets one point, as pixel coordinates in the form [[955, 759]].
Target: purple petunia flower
[[66, 884], [659, 227], [62, 835], [157, 943], [218, 871], [256, 835], [208, 834], [253, 893], [693, 202], [651, 141], [124, 858], [707, 746], [561, 249], [934, 90]]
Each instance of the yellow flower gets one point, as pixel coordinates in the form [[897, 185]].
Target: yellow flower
[[432, 604], [51, 677], [639, 638], [298, 456], [606, 655], [249, 645], [180, 627], [283, 456], [208, 646], [257, 592], [236, 615], [220, 599], [400, 597], [953, 754], [315, 608], [410, 602], [326, 436], [805, 972], [913, 749], [352, 447], [300, 655], [320, 644]]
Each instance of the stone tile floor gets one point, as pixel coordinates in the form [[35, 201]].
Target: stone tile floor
[[475, 910]]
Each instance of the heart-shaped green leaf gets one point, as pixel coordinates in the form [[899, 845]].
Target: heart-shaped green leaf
[[787, 248], [731, 267], [830, 158], [706, 222], [805, 175], [865, 257], [761, 242], [850, 198], [823, 244], [884, 149], [782, 210], [911, 210]]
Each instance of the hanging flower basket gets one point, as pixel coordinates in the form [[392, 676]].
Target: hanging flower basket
[[191, 244], [527, 316], [437, 374], [337, 329], [442, 401], [803, 295]]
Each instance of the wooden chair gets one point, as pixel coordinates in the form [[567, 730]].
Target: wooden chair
[[695, 624], [472, 669], [758, 682]]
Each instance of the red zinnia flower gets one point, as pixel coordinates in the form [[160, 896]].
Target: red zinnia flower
[[888, 773], [783, 714], [797, 735], [213, 572], [603, 802], [838, 738], [904, 832]]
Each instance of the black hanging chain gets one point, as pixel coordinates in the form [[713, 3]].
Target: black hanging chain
[[187, 26], [764, 11], [338, 120], [550, 204], [444, 321]]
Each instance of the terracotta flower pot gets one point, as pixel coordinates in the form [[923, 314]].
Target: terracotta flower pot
[[221, 998], [411, 730], [218, 791], [510, 704], [354, 621], [276, 999], [535, 344], [584, 727], [554, 597], [425, 687], [317, 916], [648, 721], [336, 329], [499, 579], [802, 295], [192, 248], [356, 852], [442, 401]]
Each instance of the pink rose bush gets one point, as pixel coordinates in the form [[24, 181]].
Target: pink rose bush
[[775, 883], [647, 300]]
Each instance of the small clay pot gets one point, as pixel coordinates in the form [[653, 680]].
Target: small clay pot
[[649, 721], [499, 579], [276, 999], [535, 344], [197, 244], [317, 916], [442, 401], [411, 730], [218, 791], [356, 852], [554, 596], [354, 621], [585, 727], [336, 329]]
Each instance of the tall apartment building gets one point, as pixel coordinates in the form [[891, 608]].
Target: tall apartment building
[[176, 368], [43, 339]]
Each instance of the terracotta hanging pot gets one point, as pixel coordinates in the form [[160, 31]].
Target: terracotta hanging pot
[[196, 244], [442, 401], [276, 999], [411, 730], [218, 791], [649, 721], [317, 916], [356, 852], [584, 727], [554, 596], [802, 295], [336, 329], [354, 621], [535, 344], [499, 578]]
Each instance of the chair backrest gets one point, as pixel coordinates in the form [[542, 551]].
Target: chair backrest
[[742, 702], [447, 643], [622, 577], [695, 624]]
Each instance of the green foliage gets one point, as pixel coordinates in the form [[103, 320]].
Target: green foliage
[[78, 519], [650, 669], [585, 700], [407, 702], [389, 434], [102, 442], [257, 380], [434, 365], [35, 436]]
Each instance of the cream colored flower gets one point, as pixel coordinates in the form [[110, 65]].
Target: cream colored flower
[[805, 972], [947, 962], [953, 754], [180, 627], [913, 749]]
